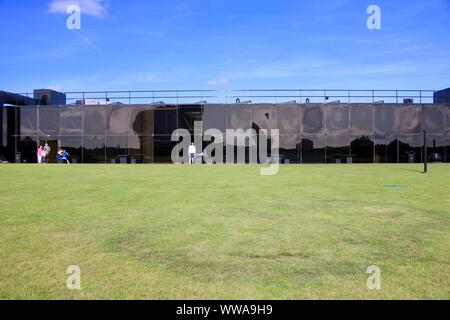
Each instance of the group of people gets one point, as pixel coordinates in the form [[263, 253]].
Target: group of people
[[43, 154]]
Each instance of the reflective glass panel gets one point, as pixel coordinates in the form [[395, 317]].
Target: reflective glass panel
[[74, 147], [436, 148], [434, 118], [27, 147], [338, 148], [337, 118], [72, 120], [361, 119], [410, 118], [264, 117], [141, 120], [312, 118], [362, 149], [28, 120], [188, 115], [94, 149], [215, 117], [117, 120], [386, 119], [141, 149], [165, 121], [94, 120], [163, 151], [410, 148], [289, 148], [117, 149], [313, 149], [49, 118], [288, 118], [447, 116], [239, 116]]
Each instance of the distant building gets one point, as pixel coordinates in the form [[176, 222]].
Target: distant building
[[442, 96]]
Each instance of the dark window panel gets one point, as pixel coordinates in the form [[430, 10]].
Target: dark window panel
[[117, 120], [49, 118], [288, 118], [3, 135], [94, 149], [141, 120], [239, 116], [27, 147], [434, 118], [447, 149], [410, 119], [215, 117], [165, 120], [95, 120], [13, 130], [386, 119], [338, 148], [337, 118], [313, 119], [289, 148], [163, 151], [141, 149], [117, 149], [28, 120], [188, 115], [71, 120], [362, 119], [362, 149], [73, 146], [264, 117], [410, 148], [313, 149]]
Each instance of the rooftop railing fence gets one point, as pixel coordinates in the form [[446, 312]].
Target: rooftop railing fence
[[248, 96]]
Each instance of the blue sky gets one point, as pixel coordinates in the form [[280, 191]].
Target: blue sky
[[224, 44]]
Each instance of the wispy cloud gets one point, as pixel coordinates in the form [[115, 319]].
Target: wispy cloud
[[95, 8], [216, 82]]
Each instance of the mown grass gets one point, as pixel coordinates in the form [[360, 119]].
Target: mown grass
[[224, 232]]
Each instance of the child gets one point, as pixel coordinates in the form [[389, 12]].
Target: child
[[65, 156], [39, 154]]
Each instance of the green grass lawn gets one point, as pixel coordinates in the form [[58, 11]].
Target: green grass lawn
[[224, 232]]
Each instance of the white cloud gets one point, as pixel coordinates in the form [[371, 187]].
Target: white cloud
[[95, 8], [215, 82]]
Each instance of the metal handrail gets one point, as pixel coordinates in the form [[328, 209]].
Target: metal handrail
[[267, 95]]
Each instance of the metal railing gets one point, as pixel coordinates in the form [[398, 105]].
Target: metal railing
[[248, 96]]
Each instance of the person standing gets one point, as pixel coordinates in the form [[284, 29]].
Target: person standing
[[192, 152], [39, 154], [47, 152]]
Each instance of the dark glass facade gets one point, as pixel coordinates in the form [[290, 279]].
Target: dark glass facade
[[308, 133]]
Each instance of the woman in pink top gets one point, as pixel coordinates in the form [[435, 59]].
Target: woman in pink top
[[39, 154]]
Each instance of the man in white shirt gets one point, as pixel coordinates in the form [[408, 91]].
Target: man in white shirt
[[192, 152]]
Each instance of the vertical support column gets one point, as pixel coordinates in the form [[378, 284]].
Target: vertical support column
[[425, 152]]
